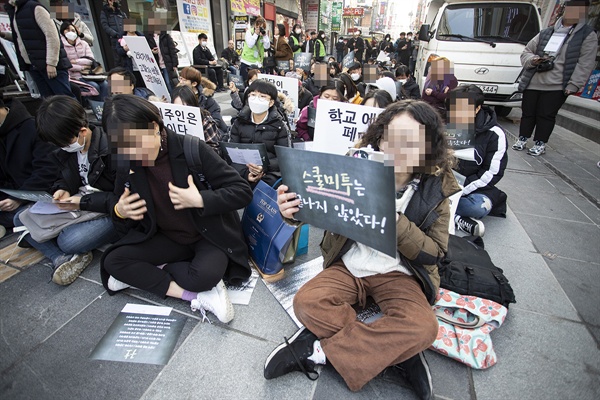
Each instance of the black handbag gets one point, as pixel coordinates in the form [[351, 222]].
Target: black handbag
[[270, 62], [468, 269]]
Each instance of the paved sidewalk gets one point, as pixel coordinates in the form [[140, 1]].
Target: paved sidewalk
[[548, 347]]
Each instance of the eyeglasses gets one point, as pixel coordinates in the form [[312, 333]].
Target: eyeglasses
[[260, 96]]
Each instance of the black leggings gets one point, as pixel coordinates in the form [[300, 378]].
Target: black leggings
[[539, 112], [196, 267]]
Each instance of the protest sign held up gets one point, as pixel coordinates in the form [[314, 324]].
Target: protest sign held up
[[302, 60], [339, 125], [346, 195], [185, 120], [348, 60], [146, 63]]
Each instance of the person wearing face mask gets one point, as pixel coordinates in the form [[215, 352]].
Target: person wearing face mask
[[261, 122], [408, 87], [296, 40], [319, 51], [86, 181], [111, 20], [203, 56], [357, 44], [355, 72], [64, 13], [340, 50], [81, 56], [256, 42]]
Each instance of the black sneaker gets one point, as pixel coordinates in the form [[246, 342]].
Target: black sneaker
[[469, 225], [292, 355], [416, 372]]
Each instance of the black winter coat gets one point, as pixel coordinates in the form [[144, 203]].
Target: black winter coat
[[273, 132], [112, 22], [218, 221], [491, 157], [24, 162], [101, 175], [202, 55], [410, 90], [167, 49]]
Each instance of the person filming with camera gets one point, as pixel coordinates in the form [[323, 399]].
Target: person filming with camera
[[557, 63], [255, 43]]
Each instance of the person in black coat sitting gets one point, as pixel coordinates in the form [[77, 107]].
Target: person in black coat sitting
[[260, 122], [408, 87], [203, 56]]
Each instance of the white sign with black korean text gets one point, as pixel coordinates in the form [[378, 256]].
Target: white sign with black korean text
[[185, 120], [339, 126], [147, 65], [285, 85]]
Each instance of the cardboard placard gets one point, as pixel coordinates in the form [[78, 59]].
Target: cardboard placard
[[302, 60], [339, 125], [239, 82], [185, 120], [459, 138], [348, 60], [146, 63], [283, 65], [350, 196], [285, 85], [184, 58]]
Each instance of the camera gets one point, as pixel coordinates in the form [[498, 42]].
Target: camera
[[546, 65], [262, 31]]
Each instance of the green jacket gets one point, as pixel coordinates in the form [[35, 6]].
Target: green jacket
[[320, 47], [255, 54]]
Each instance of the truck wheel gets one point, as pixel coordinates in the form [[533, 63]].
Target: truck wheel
[[502, 111]]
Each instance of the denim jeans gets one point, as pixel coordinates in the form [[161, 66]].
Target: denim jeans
[[75, 239], [474, 205], [101, 87], [165, 74], [49, 87]]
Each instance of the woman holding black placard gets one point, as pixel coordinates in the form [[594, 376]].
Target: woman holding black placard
[[411, 136]]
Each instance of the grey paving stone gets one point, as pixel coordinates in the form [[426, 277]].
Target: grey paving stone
[[33, 308], [216, 362], [535, 287], [60, 367], [541, 357], [581, 282], [568, 239], [587, 208], [506, 233]]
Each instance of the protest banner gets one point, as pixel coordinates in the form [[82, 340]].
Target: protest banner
[[351, 196], [302, 60], [339, 125], [183, 57], [348, 60], [146, 63], [141, 334], [185, 120]]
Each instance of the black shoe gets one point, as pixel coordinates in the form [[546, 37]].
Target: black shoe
[[292, 355], [416, 372]]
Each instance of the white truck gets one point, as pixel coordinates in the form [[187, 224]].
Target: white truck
[[484, 40]]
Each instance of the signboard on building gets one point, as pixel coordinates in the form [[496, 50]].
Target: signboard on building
[[312, 15], [240, 24], [249, 7], [336, 16], [353, 12]]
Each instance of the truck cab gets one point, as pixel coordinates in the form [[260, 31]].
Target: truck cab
[[484, 40]]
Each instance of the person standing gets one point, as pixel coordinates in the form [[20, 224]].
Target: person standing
[[38, 47], [295, 40], [111, 19], [357, 44], [255, 44], [281, 48], [340, 50], [553, 72], [163, 47], [319, 51]]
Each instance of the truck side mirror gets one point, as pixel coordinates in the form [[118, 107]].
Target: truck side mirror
[[424, 33]]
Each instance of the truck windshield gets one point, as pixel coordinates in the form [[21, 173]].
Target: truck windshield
[[504, 22]]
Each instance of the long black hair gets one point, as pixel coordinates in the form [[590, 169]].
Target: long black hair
[[187, 96], [381, 97], [438, 158]]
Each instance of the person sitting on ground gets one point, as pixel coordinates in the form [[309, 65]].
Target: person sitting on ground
[[86, 182], [377, 98], [348, 88], [310, 83], [24, 162], [408, 87], [81, 58], [181, 231], [388, 84], [440, 80], [238, 101], [204, 90], [184, 96], [334, 69], [123, 81], [411, 135], [486, 167], [203, 56], [261, 122], [355, 72], [331, 91]]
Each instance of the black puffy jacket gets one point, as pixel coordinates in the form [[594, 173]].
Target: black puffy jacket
[[167, 49], [273, 132], [112, 22]]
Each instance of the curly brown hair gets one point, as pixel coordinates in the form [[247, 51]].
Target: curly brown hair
[[439, 157]]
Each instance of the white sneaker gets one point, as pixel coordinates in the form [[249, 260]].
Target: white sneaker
[[116, 285], [216, 301]]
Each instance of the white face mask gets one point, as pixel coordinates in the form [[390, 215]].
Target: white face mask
[[258, 105], [203, 44], [74, 147], [71, 36], [298, 31], [402, 81], [355, 76]]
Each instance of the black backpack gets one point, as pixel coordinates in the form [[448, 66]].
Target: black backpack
[[192, 157], [468, 269]]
